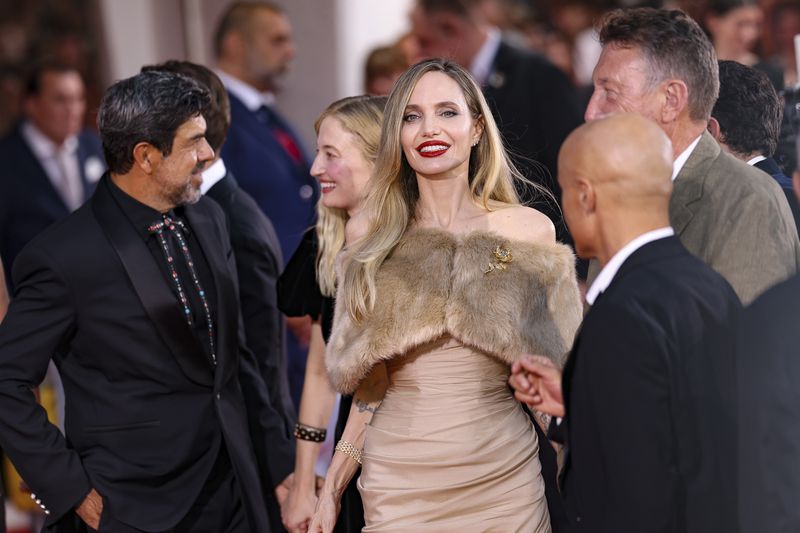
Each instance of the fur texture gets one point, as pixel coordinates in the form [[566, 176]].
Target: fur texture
[[434, 283]]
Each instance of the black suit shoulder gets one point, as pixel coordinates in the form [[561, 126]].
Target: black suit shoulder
[[249, 226]]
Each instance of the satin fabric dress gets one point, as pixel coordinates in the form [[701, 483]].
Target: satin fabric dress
[[450, 449]]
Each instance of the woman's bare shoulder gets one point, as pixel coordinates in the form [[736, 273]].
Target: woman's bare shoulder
[[521, 223]]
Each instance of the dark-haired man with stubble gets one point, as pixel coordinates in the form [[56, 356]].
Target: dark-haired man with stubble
[[660, 64], [746, 122], [134, 298], [258, 264]]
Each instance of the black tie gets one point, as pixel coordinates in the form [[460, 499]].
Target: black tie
[[170, 231]]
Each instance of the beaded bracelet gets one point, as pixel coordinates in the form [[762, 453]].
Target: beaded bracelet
[[304, 432], [350, 450]]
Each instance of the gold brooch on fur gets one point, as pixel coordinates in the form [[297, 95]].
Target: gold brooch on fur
[[501, 256]]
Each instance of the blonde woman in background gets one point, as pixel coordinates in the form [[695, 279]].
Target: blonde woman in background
[[347, 143], [447, 283]]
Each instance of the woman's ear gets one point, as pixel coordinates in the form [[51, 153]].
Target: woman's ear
[[477, 130]]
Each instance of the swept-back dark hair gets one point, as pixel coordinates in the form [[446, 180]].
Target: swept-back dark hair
[[748, 110], [218, 113], [148, 107], [673, 46]]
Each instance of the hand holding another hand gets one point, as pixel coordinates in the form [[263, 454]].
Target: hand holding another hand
[[324, 519], [298, 508], [537, 382]]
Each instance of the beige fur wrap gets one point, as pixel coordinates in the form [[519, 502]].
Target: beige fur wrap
[[435, 283]]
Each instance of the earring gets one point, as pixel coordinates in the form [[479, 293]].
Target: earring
[[475, 142]]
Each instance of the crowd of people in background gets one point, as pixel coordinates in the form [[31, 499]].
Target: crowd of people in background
[[509, 162]]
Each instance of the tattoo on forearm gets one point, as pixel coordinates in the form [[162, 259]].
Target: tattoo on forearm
[[363, 406]]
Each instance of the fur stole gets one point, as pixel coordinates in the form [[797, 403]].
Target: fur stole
[[435, 283]]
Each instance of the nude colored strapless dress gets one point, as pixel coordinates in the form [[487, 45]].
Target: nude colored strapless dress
[[450, 449]]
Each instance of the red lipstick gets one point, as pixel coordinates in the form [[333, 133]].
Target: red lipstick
[[432, 148]]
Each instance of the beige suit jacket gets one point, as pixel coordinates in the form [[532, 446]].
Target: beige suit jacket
[[735, 218]]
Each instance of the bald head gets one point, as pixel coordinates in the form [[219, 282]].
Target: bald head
[[615, 175]]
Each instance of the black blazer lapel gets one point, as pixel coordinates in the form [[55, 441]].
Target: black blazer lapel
[[227, 312], [147, 281]]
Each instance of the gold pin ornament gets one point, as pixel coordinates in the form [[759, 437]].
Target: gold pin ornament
[[501, 256]]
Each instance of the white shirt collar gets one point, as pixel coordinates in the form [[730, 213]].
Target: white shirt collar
[[212, 175], [609, 271], [249, 95], [42, 146], [481, 65], [756, 159], [681, 160]]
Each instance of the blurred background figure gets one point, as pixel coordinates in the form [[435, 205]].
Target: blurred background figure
[[383, 66], [784, 25], [735, 28], [254, 47], [50, 162]]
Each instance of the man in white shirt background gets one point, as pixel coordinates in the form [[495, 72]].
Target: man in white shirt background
[[50, 161]]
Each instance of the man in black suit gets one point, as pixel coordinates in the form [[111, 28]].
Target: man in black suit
[[50, 162], [746, 122], [258, 265], [769, 429], [534, 103], [646, 413], [133, 296]]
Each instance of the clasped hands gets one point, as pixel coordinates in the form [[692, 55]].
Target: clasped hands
[[537, 382], [298, 504]]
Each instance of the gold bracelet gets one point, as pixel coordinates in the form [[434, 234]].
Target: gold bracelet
[[350, 450]]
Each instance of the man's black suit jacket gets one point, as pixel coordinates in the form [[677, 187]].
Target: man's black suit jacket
[[145, 413], [536, 107], [769, 370], [28, 201], [649, 390], [258, 265]]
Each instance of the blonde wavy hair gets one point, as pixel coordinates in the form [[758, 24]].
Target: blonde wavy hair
[[361, 116], [393, 192]]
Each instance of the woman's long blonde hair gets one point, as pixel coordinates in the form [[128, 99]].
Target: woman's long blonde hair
[[393, 191], [361, 116]]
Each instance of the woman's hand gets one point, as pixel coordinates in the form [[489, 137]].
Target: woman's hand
[[324, 519], [297, 510]]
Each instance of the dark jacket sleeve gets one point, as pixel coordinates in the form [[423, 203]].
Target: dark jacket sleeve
[[258, 271], [628, 398], [272, 443], [39, 323]]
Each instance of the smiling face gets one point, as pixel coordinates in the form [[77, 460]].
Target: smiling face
[[438, 129], [178, 176], [621, 85], [340, 166]]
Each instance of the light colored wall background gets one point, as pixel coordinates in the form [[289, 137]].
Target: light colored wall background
[[333, 39]]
